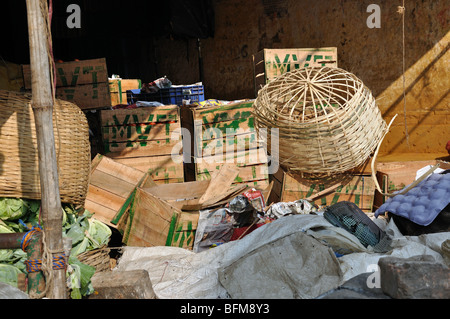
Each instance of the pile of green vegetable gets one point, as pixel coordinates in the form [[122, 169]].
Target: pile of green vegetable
[[19, 215]]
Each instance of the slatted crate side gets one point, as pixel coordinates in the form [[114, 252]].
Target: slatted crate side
[[154, 222], [152, 130], [221, 113], [110, 187], [162, 167], [280, 61], [394, 176], [359, 189], [122, 117], [246, 173], [142, 148], [84, 83], [216, 127], [141, 132], [73, 73], [144, 138]]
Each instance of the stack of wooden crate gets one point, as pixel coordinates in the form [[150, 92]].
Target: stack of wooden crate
[[84, 83], [147, 138], [223, 134]]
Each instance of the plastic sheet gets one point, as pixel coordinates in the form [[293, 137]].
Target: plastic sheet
[[180, 273]]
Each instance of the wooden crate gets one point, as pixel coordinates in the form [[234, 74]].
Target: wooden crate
[[394, 176], [223, 134], [156, 217], [118, 89], [84, 83], [270, 63], [356, 188], [252, 165], [216, 128], [111, 186], [144, 138]]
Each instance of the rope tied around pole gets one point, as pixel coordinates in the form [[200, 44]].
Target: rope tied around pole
[[50, 260]]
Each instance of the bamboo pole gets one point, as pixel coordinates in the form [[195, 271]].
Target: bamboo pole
[[42, 104]]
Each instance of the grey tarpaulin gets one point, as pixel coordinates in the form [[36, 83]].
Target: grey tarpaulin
[[181, 273], [291, 267]]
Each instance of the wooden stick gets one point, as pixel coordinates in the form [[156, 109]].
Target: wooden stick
[[323, 193], [42, 104]]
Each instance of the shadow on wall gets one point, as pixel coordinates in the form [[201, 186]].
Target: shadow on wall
[[423, 122]]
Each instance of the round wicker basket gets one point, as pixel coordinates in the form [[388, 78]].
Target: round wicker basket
[[327, 119], [19, 166]]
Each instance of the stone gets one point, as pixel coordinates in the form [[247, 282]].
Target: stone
[[132, 284], [418, 277]]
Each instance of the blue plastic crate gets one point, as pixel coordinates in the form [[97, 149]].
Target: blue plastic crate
[[173, 95]]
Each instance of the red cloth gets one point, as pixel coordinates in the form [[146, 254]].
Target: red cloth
[[447, 147]]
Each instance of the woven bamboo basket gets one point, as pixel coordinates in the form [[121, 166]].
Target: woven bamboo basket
[[19, 166], [327, 119], [98, 258]]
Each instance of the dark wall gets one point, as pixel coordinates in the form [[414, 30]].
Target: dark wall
[[121, 31]]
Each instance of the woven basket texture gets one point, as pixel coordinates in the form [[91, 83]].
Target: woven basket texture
[[97, 258], [327, 119], [19, 166]]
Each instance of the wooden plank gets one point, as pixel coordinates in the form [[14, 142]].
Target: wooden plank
[[168, 181], [394, 176], [114, 184], [151, 220], [401, 174], [141, 149], [86, 96], [74, 73], [122, 117], [106, 198], [280, 61], [243, 125], [258, 184], [246, 173], [141, 132], [188, 190], [364, 202], [220, 183], [111, 187], [184, 234], [239, 111], [359, 189], [114, 168], [240, 142], [102, 213], [239, 158], [158, 167]]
